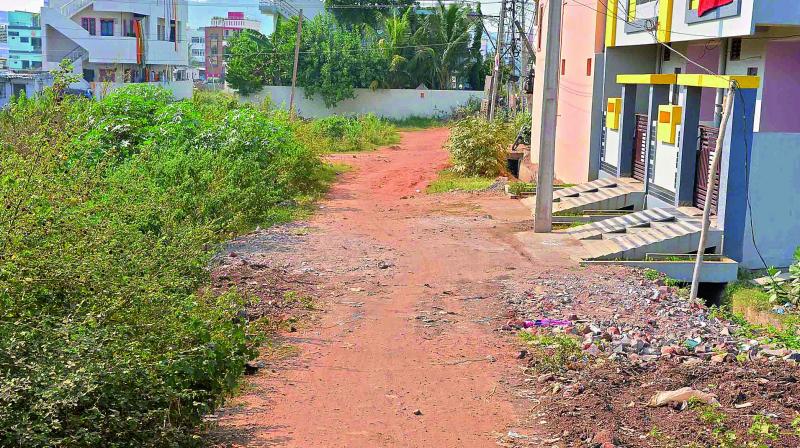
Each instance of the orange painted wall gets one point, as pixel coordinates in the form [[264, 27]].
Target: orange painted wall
[[582, 37]]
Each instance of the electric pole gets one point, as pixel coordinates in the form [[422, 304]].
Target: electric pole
[[498, 61], [543, 217], [296, 60]]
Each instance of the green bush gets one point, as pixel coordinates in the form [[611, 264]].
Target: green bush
[[110, 214], [478, 147], [336, 133]]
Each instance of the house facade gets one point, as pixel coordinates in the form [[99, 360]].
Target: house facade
[[667, 66], [580, 84], [216, 38], [116, 42], [24, 41]]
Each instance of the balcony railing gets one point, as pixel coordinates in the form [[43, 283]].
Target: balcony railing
[[74, 6]]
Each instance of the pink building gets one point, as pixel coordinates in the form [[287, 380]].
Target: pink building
[[579, 128], [217, 35]]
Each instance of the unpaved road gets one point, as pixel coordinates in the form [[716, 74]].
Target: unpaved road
[[406, 352]]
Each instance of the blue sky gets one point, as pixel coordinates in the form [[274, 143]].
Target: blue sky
[[201, 11]]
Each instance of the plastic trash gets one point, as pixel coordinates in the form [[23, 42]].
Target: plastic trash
[[664, 398], [547, 323]]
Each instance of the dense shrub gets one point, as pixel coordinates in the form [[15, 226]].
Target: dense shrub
[[110, 214], [478, 147], [348, 134]]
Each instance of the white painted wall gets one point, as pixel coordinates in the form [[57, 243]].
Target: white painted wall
[[611, 155], [388, 103], [666, 160]]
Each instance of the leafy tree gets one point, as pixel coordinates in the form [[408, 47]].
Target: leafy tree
[[442, 45], [247, 72], [364, 12]]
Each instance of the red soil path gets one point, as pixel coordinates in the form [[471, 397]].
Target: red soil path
[[405, 356]]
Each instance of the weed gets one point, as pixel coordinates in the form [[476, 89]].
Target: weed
[[519, 188], [448, 180], [416, 123], [478, 147], [551, 353]]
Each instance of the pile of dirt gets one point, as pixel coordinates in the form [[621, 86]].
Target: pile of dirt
[[606, 405]]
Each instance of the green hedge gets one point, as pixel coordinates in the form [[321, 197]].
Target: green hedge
[[111, 211]]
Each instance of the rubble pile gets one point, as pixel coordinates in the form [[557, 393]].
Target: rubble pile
[[620, 315]]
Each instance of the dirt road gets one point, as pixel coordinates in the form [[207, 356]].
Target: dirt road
[[405, 353]]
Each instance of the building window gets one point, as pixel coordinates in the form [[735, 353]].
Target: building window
[[13, 34], [736, 49], [90, 25], [589, 67], [106, 27], [36, 64], [563, 67], [108, 75], [26, 64], [24, 40], [752, 71], [173, 34], [162, 30], [667, 54], [127, 28], [88, 74]]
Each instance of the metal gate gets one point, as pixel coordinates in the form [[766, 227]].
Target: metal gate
[[707, 145], [640, 147]]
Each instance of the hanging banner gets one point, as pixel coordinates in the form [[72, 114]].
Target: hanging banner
[[708, 5]]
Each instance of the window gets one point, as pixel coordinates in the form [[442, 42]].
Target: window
[[106, 27], [90, 25], [26, 64], [24, 40], [736, 49], [88, 74], [667, 54], [197, 40], [752, 71], [36, 64], [563, 67], [173, 35], [589, 67], [197, 52], [13, 33], [3, 90], [162, 30], [127, 28], [108, 75], [36, 42]]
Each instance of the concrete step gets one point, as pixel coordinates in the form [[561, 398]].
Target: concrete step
[[601, 194], [631, 237]]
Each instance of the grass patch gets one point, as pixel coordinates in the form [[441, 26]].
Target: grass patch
[[518, 188], [451, 181], [417, 123], [551, 353], [346, 134]]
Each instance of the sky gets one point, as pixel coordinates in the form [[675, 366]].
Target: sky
[[201, 11]]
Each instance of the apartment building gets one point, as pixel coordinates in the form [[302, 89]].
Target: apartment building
[[24, 40], [657, 101], [115, 42], [216, 38]]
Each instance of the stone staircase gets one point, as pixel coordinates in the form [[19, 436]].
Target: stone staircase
[[601, 194], [633, 236]]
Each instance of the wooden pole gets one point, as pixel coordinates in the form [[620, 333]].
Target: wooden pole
[[543, 216], [712, 180], [296, 60]]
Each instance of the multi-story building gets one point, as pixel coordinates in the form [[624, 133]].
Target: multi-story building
[[216, 37], [667, 67], [114, 42], [197, 53], [24, 41]]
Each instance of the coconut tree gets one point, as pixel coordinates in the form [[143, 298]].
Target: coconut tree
[[396, 47], [442, 44]]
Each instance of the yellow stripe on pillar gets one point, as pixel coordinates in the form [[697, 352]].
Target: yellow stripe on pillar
[[611, 23], [664, 33]]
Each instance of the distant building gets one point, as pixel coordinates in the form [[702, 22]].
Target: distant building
[[24, 39], [115, 42], [216, 37], [197, 53], [15, 83]]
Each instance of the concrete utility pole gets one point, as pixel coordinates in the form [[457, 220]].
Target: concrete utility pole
[[296, 60], [712, 180], [543, 217], [498, 61]]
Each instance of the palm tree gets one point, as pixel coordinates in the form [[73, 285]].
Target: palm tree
[[395, 45], [443, 45]]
